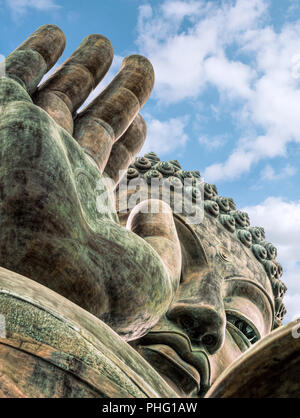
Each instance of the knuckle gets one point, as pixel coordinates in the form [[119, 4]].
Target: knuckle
[[12, 91]]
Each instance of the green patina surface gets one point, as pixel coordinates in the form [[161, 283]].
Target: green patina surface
[[27, 320]]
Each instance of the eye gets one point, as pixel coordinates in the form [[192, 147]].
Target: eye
[[244, 327]]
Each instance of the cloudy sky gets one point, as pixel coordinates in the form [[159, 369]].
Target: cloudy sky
[[226, 99]]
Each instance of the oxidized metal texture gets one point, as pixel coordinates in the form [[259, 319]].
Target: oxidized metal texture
[[190, 298], [270, 369], [231, 276], [234, 221], [47, 335]]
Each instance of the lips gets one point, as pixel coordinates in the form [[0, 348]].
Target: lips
[[167, 362], [171, 354]]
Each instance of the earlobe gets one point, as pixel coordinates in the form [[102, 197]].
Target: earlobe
[[153, 221], [194, 258]]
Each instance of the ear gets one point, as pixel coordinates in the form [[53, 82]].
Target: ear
[[194, 258]]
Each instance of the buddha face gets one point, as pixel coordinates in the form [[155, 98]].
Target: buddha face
[[229, 296]]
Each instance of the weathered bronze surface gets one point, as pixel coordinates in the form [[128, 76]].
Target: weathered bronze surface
[[111, 301], [54, 348], [269, 369], [230, 293]]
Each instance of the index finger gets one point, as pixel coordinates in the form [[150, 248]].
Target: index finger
[[34, 57]]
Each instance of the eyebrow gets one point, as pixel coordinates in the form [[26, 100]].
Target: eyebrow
[[255, 284]]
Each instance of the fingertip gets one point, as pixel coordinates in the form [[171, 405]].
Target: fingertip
[[96, 37], [142, 77], [140, 63], [98, 41], [49, 41], [50, 27], [96, 54]]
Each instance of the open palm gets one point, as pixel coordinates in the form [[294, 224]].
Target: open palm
[[53, 160]]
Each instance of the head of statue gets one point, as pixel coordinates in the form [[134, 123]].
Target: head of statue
[[230, 292]]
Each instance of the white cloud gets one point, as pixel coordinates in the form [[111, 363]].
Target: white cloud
[[281, 221], [186, 59], [177, 10], [263, 78], [212, 142], [238, 162], [291, 301], [20, 7], [176, 56], [165, 136], [244, 14], [268, 173], [234, 78]]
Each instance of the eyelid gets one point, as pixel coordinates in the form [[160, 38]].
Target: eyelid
[[249, 296], [233, 317], [238, 337]]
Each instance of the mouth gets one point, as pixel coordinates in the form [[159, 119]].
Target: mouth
[[186, 369]]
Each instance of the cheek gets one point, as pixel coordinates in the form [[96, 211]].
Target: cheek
[[229, 352]]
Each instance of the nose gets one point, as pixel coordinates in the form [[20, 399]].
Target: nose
[[202, 316]]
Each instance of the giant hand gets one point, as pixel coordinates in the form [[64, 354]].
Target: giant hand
[[54, 161]]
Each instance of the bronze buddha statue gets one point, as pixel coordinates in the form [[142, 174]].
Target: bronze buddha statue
[[100, 300]]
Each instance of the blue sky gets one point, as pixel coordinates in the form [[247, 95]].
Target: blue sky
[[226, 99]]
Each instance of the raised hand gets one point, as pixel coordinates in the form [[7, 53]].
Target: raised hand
[[54, 162]]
